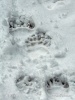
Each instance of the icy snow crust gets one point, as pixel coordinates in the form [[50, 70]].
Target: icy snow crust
[[37, 50]]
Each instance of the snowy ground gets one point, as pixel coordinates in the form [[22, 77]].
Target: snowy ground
[[37, 49]]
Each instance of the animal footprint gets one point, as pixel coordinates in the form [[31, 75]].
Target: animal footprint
[[39, 38], [58, 79], [27, 83], [20, 28], [21, 22]]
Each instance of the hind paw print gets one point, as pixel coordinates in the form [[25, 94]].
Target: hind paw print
[[40, 38]]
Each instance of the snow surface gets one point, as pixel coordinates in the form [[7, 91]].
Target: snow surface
[[37, 49]]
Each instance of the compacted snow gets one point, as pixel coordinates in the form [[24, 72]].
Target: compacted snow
[[37, 49]]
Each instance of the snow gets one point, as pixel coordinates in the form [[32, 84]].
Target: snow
[[37, 50]]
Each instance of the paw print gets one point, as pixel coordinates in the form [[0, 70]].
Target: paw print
[[39, 38], [21, 22], [27, 83], [58, 79]]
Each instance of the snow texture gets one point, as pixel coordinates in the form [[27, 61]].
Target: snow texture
[[37, 49]]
